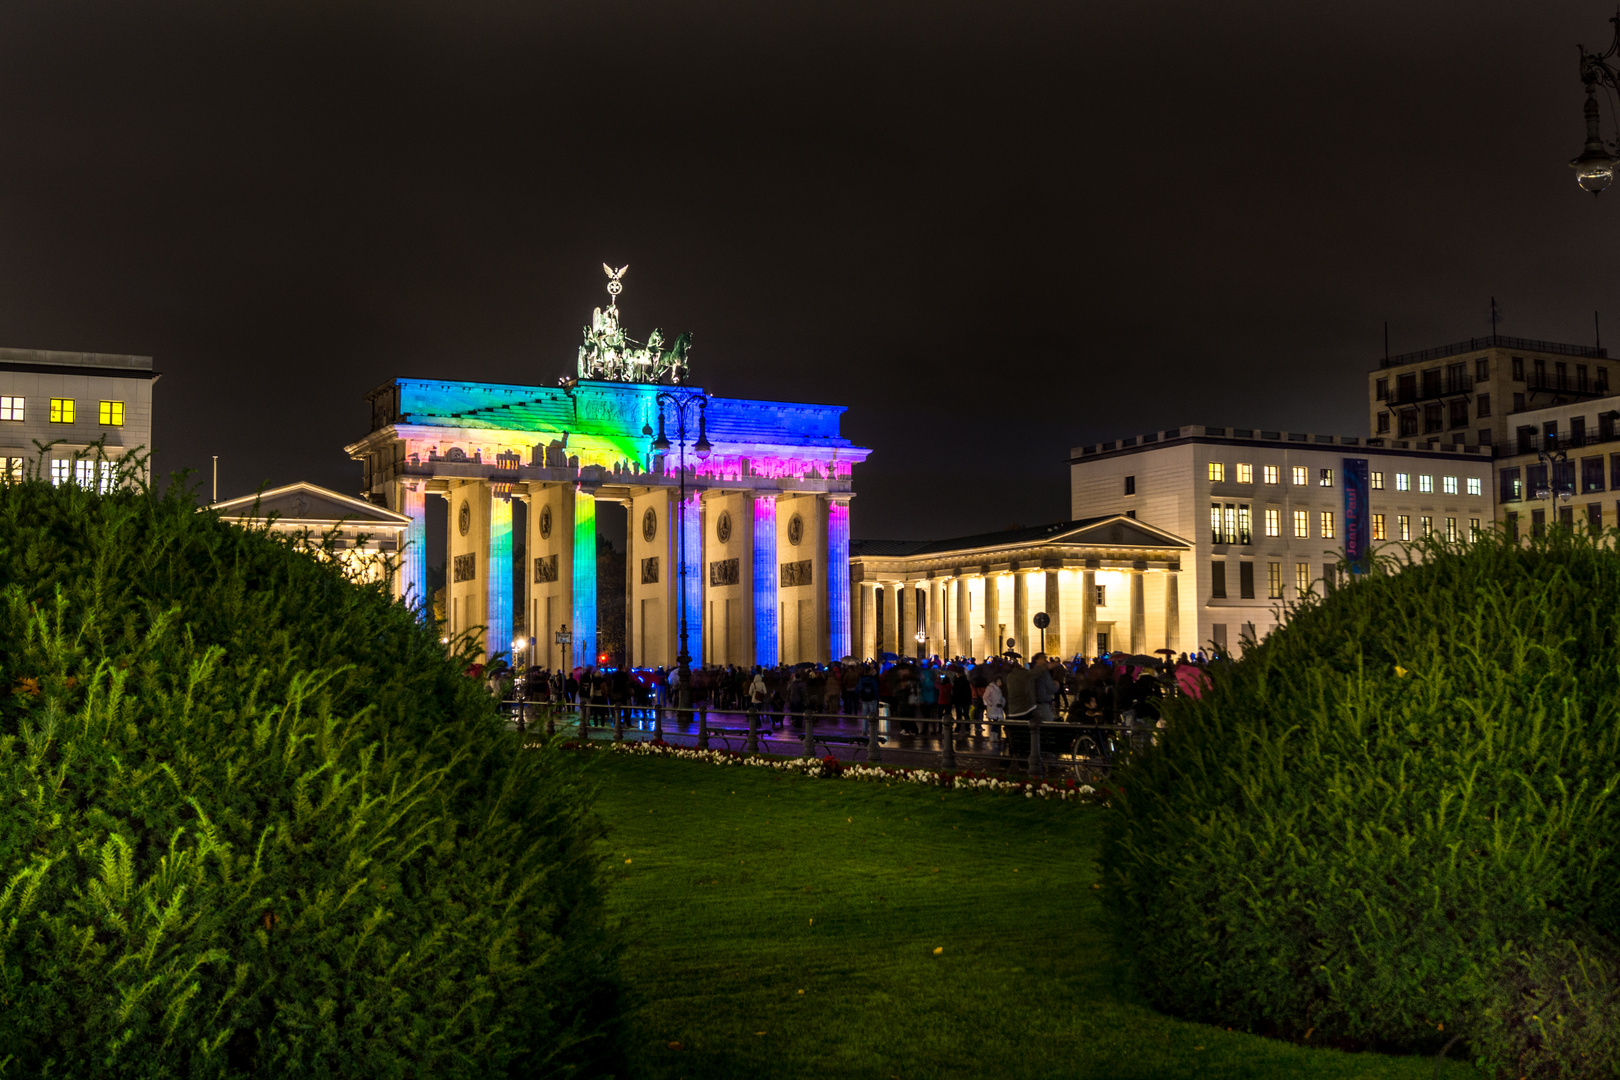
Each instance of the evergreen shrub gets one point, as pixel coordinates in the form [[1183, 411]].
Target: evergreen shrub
[[256, 823], [1391, 824]]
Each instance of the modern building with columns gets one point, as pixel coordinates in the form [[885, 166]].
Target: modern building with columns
[[766, 522], [1105, 583]]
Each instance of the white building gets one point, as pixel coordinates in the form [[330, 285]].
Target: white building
[[364, 537], [72, 400], [1263, 511]]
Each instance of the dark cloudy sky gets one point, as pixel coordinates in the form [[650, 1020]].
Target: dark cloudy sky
[[994, 230]]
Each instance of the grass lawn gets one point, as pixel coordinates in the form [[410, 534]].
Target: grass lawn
[[780, 926]]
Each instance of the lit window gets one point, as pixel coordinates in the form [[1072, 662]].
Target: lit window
[[1327, 478], [112, 414], [1425, 525], [84, 474], [1403, 482], [1231, 524], [61, 471], [1425, 482], [1217, 471], [1473, 528], [1474, 485], [1302, 577], [1245, 526], [1378, 527], [1270, 473], [1448, 485], [1327, 524], [1302, 523], [1245, 473], [1274, 580], [14, 469], [1375, 481], [1102, 596], [1299, 476], [61, 410], [1451, 529], [1273, 522], [1403, 522], [1216, 535], [11, 408]]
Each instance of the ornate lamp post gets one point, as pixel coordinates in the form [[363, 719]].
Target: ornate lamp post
[[1594, 169], [679, 401], [1553, 492], [922, 639]]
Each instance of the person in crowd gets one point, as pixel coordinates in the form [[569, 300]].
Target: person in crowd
[[961, 694], [993, 695], [1021, 703], [797, 695], [758, 694], [849, 681], [866, 696]]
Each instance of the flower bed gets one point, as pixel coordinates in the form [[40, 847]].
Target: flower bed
[[831, 768]]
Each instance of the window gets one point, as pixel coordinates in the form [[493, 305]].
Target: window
[[1216, 534], [1217, 579], [1245, 473], [1448, 485], [1245, 581], [1451, 530], [14, 469], [1270, 474], [1476, 486], [1102, 596], [1473, 528], [1518, 402], [1273, 522], [1512, 522], [1375, 481], [60, 471], [1614, 472], [1300, 479], [1482, 369], [1302, 578], [1403, 482], [1383, 423], [1302, 523], [1482, 437], [1409, 422], [1433, 418], [11, 408], [1231, 524], [1483, 405], [1217, 471], [112, 414], [1130, 485], [1425, 482], [61, 410], [1518, 369], [1245, 528], [1591, 475], [1458, 414], [1403, 522], [84, 474], [1513, 484], [1327, 478], [1274, 580], [1381, 389], [1566, 516], [1217, 634], [1327, 524], [1378, 527], [1425, 525], [1603, 380], [1594, 516], [1535, 480]]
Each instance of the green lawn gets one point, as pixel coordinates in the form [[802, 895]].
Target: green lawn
[[780, 926]]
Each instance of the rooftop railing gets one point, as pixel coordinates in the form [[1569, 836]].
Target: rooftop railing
[[1494, 341]]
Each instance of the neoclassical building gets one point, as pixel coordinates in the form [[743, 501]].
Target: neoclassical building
[[766, 522]]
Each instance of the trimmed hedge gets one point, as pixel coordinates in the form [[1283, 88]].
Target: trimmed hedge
[[257, 824], [1391, 824]]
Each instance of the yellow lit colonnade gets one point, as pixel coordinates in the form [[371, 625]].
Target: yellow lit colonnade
[[1107, 583]]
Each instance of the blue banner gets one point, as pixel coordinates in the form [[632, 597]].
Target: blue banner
[[1357, 514]]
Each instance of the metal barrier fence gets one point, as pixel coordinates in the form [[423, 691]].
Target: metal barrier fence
[[1088, 751]]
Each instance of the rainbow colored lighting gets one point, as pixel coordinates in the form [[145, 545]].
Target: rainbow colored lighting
[[765, 601], [584, 580], [498, 632], [413, 558]]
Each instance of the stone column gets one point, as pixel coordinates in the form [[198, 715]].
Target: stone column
[[411, 584], [1172, 611], [891, 617], [1020, 624], [583, 570], [840, 638], [936, 616], [766, 633], [498, 582], [1054, 611], [1138, 614], [1088, 612], [631, 652], [691, 589], [992, 617], [868, 620], [963, 645]]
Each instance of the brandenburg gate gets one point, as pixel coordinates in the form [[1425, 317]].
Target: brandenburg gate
[[766, 507]]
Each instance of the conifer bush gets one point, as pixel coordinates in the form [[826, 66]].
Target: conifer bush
[[1392, 824], [256, 823]]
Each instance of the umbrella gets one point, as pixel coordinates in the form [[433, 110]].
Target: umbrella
[[1140, 660], [889, 658]]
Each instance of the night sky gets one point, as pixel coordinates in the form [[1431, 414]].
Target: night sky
[[994, 231]]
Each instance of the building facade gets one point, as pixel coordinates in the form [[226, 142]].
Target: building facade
[[1103, 583], [361, 535], [1263, 512], [766, 510], [70, 401], [1562, 464]]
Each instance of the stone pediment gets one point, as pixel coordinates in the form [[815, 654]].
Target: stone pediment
[[309, 503], [1121, 532]]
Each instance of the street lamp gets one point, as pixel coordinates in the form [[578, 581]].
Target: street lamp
[[679, 401], [921, 639], [1552, 492], [1594, 169]]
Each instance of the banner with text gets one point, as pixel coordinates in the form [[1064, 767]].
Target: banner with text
[[1357, 517]]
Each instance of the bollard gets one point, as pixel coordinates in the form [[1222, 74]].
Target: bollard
[[1037, 768], [618, 722], [947, 736], [658, 724], [753, 731], [703, 725], [809, 734], [874, 744]]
